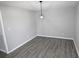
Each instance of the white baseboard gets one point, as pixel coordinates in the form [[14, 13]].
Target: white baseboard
[[3, 50], [20, 45], [76, 47], [56, 37], [34, 37]]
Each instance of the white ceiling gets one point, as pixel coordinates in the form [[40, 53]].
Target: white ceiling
[[35, 5]]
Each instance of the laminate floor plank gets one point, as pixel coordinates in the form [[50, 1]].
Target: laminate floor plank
[[44, 47]]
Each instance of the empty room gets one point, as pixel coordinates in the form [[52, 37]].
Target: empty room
[[39, 29]]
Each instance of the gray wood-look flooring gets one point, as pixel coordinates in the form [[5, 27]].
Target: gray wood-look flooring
[[44, 47]]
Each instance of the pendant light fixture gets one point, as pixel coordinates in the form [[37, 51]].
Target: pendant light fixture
[[41, 16]]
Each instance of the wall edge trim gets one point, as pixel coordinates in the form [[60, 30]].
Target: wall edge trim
[[76, 47], [21, 45], [3, 32]]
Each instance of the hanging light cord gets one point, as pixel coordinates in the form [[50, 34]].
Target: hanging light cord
[[41, 7]]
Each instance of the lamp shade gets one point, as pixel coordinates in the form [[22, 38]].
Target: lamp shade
[[41, 17]]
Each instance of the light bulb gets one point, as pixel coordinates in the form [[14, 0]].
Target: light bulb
[[41, 17]]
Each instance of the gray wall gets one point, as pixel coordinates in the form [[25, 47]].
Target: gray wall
[[19, 25], [76, 39], [58, 22]]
